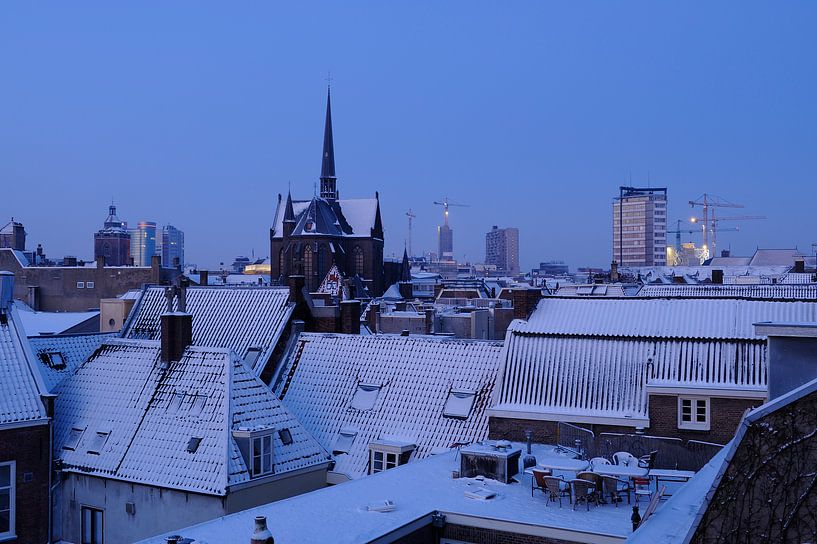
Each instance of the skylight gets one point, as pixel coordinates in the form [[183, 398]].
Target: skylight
[[252, 356], [365, 396], [459, 403], [198, 404], [74, 437], [193, 444], [98, 442], [53, 359], [175, 401], [344, 441], [286, 436]]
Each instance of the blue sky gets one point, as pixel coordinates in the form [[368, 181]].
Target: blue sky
[[198, 114]]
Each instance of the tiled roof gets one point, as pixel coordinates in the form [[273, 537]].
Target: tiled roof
[[20, 386], [779, 291], [661, 318], [415, 376], [237, 318], [151, 415], [359, 214], [73, 350]]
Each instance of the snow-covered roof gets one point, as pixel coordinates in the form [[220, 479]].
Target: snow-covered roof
[[40, 323], [596, 290], [20, 384], [661, 318], [792, 291], [237, 318], [339, 513], [319, 383], [120, 416], [359, 213], [58, 356]]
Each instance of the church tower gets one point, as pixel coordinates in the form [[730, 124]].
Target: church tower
[[329, 183]]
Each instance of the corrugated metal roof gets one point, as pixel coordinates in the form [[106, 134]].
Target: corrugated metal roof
[[147, 416], [415, 375], [660, 318], [73, 349], [19, 387], [779, 291], [232, 317]]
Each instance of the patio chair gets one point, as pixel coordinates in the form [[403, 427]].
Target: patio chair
[[583, 490], [625, 459], [641, 488], [616, 487], [648, 461], [556, 489], [538, 482], [594, 479], [599, 461]]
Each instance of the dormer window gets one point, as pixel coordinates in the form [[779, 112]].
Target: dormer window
[[459, 403], [385, 454], [344, 441], [255, 446], [365, 396]]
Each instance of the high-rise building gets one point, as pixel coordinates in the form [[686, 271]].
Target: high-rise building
[[502, 249], [170, 246], [112, 242], [445, 237], [143, 243], [640, 226]]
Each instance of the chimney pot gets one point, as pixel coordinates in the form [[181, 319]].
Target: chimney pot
[[262, 534], [173, 539]]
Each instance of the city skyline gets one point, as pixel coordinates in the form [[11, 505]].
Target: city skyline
[[224, 126]]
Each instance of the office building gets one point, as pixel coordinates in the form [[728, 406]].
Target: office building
[[143, 243], [112, 242], [640, 227], [502, 249], [170, 246], [445, 236]]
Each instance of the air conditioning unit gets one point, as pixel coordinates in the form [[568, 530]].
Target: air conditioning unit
[[130, 508]]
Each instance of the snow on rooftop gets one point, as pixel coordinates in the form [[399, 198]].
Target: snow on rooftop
[[339, 514], [360, 214], [321, 384], [20, 387], [58, 356], [237, 318], [778, 291], [121, 416], [40, 323]]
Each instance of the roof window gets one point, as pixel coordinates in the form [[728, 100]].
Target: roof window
[[193, 444], [286, 436], [459, 403], [252, 357], [74, 437], [54, 359], [365, 396], [175, 402], [198, 404], [98, 442], [344, 441]]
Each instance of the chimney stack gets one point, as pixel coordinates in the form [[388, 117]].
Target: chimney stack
[[799, 265], [6, 290], [100, 261], [717, 276], [177, 327], [350, 316], [261, 535], [614, 277], [204, 277]]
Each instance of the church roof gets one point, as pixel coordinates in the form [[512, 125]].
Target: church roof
[[353, 218]]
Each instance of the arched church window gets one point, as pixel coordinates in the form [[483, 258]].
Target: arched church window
[[308, 268], [281, 267], [357, 261]]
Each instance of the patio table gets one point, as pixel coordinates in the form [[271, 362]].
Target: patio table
[[621, 471], [563, 463]]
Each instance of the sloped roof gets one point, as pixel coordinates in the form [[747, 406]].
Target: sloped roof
[[20, 385], [151, 415], [660, 318], [232, 317], [74, 349], [359, 213], [414, 374], [56, 322], [775, 257], [780, 291]]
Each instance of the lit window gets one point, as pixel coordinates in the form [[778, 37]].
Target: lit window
[[344, 441], [459, 403], [80, 285], [365, 396], [262, 455], [7, 499], [693, 413], [92, 526], [98, 442], [74, 437]]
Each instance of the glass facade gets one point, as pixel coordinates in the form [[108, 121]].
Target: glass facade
[[143, 243], [171, 246]]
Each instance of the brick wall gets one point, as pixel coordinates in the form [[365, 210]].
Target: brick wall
[[725, 416], [490, 536], [544, 432], [29, 447]]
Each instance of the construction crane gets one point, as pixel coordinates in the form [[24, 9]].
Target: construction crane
[[445, 204], [679, 231], [707, 201], [716, 229], [410, 216]]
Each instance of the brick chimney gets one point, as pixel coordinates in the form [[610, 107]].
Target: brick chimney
[[6, 290], [717, 276], [177, 326], [372, 317], [614, 277], [296, 286], [429, 320], [525, 301], [799, 265], [350, 317], [204, 277]]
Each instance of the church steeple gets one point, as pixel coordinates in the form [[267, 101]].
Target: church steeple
[[329, 189]]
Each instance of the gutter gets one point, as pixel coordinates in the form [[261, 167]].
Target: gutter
[[521, 528]]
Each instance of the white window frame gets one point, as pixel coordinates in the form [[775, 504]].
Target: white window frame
[[263, 452], [383, 460], [80, 285], [694, 424], [89, 285], [82, 510], [8, 535]]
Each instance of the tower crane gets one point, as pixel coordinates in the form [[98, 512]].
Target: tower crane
[[410, 216], [445, 204], [710, 221]]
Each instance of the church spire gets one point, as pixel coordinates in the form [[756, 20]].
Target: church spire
[[329, 188]]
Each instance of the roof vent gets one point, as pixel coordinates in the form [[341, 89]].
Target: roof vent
[[404, 332]]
